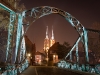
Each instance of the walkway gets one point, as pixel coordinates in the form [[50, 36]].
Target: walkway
[[44, 70]]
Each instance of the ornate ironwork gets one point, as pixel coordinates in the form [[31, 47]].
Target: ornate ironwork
[[38, 12], [10, 33]]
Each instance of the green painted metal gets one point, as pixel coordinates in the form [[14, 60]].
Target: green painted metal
[[86, 45], [77, 56], [6, 8], [18, 38], [10, 38], [38, 12], [10, 33]]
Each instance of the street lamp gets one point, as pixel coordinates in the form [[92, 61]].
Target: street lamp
[[28, 54], [29, 57]]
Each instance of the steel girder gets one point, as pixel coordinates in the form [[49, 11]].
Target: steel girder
[[10, 33], [22, 48], [18, 38], [38, 12]]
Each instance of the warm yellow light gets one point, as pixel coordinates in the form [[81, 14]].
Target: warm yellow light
[[54, 56], [29, 54]]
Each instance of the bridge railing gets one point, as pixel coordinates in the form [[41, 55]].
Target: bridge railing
[[86, 67], [81, 67], [15, 69]]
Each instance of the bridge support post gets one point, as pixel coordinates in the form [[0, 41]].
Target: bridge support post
[[85, 45], [10, 38], [9, 46], [71, 56], [18, 38], [77, 57]]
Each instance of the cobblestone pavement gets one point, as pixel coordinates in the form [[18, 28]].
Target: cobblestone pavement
[[47, 70]]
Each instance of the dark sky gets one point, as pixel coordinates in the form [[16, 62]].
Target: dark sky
[[86, 11]]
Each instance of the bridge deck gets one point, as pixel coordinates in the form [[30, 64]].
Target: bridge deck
[[44, 70]]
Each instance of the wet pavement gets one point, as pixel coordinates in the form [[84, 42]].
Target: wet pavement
[[51, 70]]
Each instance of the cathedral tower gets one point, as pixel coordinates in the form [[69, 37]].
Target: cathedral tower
[[52, 40], [46, 41]]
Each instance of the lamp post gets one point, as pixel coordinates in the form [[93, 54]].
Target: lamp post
[[29, 57], [47, 59], [47, 55]]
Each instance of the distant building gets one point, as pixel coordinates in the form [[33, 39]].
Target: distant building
[[30, 49], [52, 53], [39, 57]]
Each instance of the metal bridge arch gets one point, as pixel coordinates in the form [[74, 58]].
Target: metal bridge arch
[[10, 32], [38, 12]]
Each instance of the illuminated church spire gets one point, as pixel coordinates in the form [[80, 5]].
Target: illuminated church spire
[[52, 34], [47, 33], [46, 40], [52, 40]]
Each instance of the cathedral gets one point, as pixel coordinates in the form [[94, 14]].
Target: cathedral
[[48, 42]]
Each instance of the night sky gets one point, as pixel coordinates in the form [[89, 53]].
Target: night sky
[[86, 11]]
